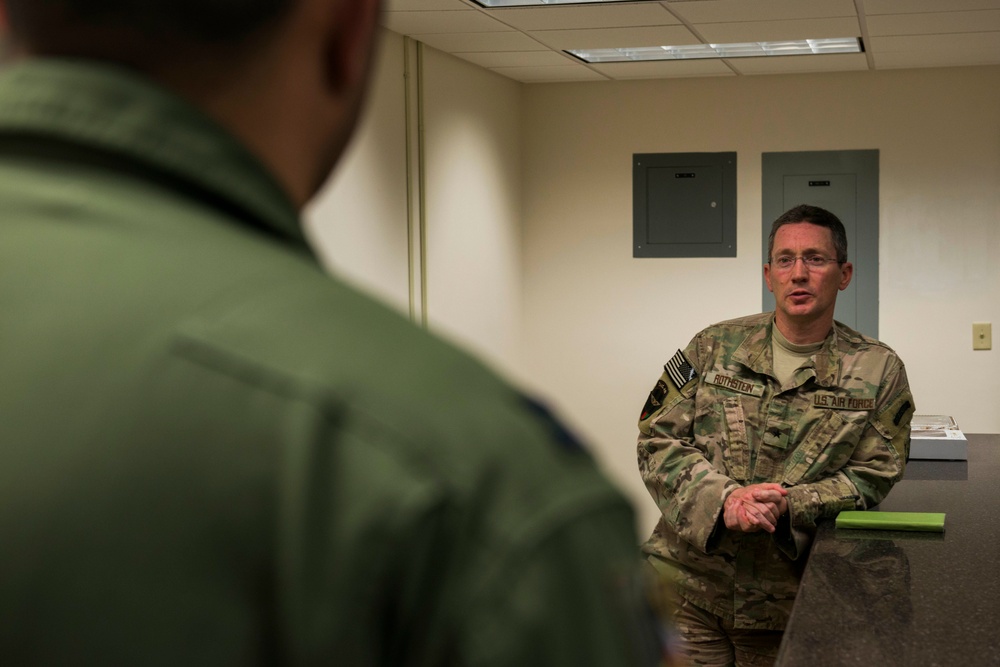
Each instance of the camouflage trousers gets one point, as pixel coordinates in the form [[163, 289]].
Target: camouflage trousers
[[707, 640]]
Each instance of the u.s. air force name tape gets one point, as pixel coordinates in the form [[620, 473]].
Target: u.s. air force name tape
[[822, 399]]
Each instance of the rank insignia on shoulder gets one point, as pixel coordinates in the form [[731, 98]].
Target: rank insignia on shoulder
[[680, 370]]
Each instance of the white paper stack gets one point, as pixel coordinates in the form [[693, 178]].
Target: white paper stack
[[937, 437]]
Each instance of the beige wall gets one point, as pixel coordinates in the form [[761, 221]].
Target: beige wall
[[471, 170], [601, 324], [529, 218], [473, 175], [357, 224]]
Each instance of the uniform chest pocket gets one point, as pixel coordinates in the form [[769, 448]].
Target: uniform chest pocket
[[721, 433], [736, 452], [825, 448]]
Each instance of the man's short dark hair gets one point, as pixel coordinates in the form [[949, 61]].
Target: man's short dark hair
[[816, 216], [139, 32]]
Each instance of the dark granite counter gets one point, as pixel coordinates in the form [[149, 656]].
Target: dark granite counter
[[884, 598]]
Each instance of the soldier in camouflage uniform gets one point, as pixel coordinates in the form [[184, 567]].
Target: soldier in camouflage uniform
[[761, 426]]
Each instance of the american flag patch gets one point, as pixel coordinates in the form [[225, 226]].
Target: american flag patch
[[679, 369]]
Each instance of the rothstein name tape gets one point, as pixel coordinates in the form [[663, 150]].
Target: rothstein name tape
[[735, 384]]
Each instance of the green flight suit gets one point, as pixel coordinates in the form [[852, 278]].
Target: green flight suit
[[836, 435], [212, 453]]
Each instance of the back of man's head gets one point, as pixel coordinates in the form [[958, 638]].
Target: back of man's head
[[286, 77], [146, 34]]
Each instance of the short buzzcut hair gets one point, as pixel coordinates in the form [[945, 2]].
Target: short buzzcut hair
[[816, 216], [137, 32]]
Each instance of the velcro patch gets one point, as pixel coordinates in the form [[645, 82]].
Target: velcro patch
[[679, 369], [655, 400], [556, 430], [898, 417], [890, 417]]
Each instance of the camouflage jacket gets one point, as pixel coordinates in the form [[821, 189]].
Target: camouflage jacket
[[836, 435]]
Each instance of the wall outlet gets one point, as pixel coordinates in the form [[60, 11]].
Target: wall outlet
[[982, 336]]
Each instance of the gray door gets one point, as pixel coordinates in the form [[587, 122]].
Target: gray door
[[846, 184]]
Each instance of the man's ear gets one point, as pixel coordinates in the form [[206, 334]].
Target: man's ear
[[846, 272], [8, 46], [767, 277], [350, 43]]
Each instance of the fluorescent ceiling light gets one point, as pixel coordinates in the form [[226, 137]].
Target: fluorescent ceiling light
[[533, 3], [799, 47]]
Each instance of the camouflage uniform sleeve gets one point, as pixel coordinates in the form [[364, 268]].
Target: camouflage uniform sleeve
[[875, 466], [686, 487]]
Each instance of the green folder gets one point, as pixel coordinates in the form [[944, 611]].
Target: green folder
[[874, 520]]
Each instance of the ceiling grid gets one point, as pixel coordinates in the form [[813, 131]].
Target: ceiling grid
[[528, 43]]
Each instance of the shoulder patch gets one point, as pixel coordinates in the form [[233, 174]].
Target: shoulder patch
[[559, 433], [898, 417], [892, 416], [679, 370], [677, 373], [655, 400]]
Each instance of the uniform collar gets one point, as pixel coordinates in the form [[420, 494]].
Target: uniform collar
[[755, 352], [115, 111]]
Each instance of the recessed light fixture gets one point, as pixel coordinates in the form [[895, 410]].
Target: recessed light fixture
[[800, 47], [542, 3]]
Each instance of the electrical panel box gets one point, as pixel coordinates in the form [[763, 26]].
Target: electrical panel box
[[684, 205]]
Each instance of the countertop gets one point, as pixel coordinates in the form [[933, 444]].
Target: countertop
[[884, 598]]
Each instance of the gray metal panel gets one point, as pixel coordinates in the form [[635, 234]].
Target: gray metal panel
[[684, 205], [836, 193], [845, 183]]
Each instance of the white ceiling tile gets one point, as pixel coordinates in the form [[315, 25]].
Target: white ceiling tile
[[729, 11], [519, 59], [873, 7], [481, 41], [423, 5], [910, 59], [976, 42], [466, 20], [664, 69], [615, 37], [527, 44], [769, 31], [934, 23], [576, 17], [549, 74], [426, 5], [834, 62]]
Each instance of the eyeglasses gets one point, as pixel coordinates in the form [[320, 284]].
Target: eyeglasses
[[811, 262]]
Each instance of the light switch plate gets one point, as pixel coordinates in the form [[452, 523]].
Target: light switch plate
[[982, 336]]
